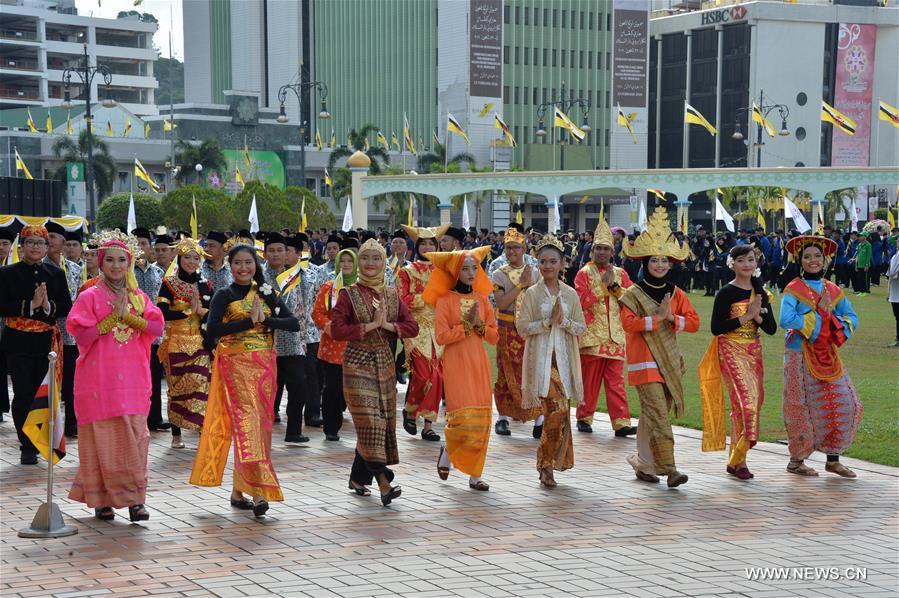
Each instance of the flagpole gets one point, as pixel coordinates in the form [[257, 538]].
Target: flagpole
[[446, 147], [171, 102]]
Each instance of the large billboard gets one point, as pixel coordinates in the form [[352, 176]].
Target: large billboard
[[486, 48], [630, 47], [853, 93]]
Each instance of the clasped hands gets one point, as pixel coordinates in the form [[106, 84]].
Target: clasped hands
[[379, 320], [40, 299]]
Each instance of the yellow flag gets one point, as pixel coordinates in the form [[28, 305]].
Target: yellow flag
[[69, 129], [332, 143], [193, 219], [141, 173], [168, 125], [692, 116], [889, 114], [146, 130], [838, 119], [409, 219], [20, 165], [758, 117], [890, 218], [658, 193], [108, 129], [584, 199], [453, 126], [31, 126], [561, 120], [328, 182], [519, 217], [49, 123], [761, 218], [127, 130], [246, 152], [626, 121], [239, 178], [383, 141], [487, 108], [304, 223], [318, 141], [394, 141]]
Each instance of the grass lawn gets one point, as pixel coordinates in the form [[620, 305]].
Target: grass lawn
[[869, 357]]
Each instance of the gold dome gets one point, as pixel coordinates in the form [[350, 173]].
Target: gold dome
[[358, 160]]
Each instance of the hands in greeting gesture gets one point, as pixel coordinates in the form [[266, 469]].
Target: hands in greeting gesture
[[473, 316], [256, 314], [526, 274], [40, 297], [665, 308], [556, 315]]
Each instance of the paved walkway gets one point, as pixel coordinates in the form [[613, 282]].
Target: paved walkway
[[600, 533]]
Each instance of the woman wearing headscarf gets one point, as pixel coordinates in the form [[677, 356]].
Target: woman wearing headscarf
[[734, 359], [550, 321], [653, 311], [368, 315], [821, 408], [184, 352], [459, 289], [423, 353], [243, 317], [330, 351], [114, 324]]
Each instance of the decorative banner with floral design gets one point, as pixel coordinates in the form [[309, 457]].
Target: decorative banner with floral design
[[853, 92]]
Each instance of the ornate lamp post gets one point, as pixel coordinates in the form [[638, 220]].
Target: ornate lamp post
[[86, 73], [300, 90], [564, 105], [766, 109]]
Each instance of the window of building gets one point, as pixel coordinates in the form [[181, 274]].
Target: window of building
[[544, 95], [554, 57], [506, 14], [800, 133], [801, 98], [536, 56], [573, 19], [608, 24], [534, 100], [527, 55], [563, 58], [608, 99], [555, 17], [536, 16], [607, 137], [590, 97], [505, 54], [526, 96], [545, 55], [590, 17], [517, 97], [582, 19], [527, 17], [516, 54], [589, 59], [564, 17], [545, 17], [505, 94], [517, 15], [608, 61], [571, 61]]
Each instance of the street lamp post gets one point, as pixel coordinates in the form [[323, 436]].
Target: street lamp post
[[300, 89], [563, 105], [199, 169], [86, 73], [765, 109]]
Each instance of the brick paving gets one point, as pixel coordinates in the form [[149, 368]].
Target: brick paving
[[600, 533]]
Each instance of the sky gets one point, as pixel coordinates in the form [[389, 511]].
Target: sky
[[108, 9]]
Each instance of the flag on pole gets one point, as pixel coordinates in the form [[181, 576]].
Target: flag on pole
[[453, 126], [466, 219], [626, 121], [394, 141], [49, 122], [409, 217], [556, 217], [485, 109], [499, 123], [348, 217], [131, 223], [721, 214], [692, 116], [435, 138], [37, 424], [799, 221], [838, 119], [246, 152], [761, 220], [332, 142], [238, 177], [20, 165], [889, 114], [146, 130], [168, 125], [561, 120], [519, 217], [854, 217], [758, 117], [253, 218], [127, 130], [820, 217], [13, 256], [304, 223], [30, 122], [290, 278], [383, 141], [328, 181], [141, 173], [318, 141], [69, 129], [109, 132], [193, 220], [408, 143], [365, 145], [642, 223], [684, 223], [658, 193]]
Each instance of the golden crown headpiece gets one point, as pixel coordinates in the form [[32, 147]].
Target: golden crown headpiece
[[230, 243], [425, 232], [130, 241], [550, 240], [657, 239], [513, 235], [188, 244], [603, 234]]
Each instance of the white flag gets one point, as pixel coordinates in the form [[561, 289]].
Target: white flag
[[254, 217], [791, 211], [466, 219], [721, 214], [556, 217], [854, 217], [348, 217], [132, 216], [642, 223]]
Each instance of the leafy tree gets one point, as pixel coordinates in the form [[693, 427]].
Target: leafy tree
[[341, 185], [318, 214], [163, 69], [209, 154], [68, 150], [434, 160], [357, 139], [113, 211], [275, 210], [145, 17], [213, 209]]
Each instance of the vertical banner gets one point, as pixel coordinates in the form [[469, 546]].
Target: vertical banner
[[853, 91], [486, 48]]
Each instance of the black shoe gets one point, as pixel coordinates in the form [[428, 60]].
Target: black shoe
[[138, 513], [584, 427], [332, 437], [409, 424], [502, 428], [260, 508], [395, 492], [71, 432], [315, 422], [401, 378], [160, 427], [430, 435], [244, 505], [538, 431], [277, 418], [28, 459], [296, 438], [626, 431]]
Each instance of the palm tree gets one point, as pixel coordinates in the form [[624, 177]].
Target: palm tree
[[209, 154], [434, 160], [357, 141], [341, 185], [69, 150]]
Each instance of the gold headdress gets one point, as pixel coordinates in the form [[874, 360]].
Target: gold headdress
[[603, 234], [127, 243], [373, 245], [235, 240], [425, 232], [130, 241], [188, 244], [657, 239], [797, 245], [513, 235], [550, 240]]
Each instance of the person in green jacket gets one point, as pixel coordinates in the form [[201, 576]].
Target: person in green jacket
[[863, 263]]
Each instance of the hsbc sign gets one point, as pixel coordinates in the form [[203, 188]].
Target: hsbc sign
[[725, 15]]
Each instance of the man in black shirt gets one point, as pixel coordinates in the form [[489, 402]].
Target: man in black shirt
[[33, 294]]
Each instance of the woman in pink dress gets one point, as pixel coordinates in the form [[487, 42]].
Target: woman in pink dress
[[114, 324]]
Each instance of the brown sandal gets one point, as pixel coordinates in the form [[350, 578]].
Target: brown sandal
[[443, 472], [479, 485], [839, 469], [547, 479], [800, 468]]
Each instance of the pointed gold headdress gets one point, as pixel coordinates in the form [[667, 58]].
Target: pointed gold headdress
[[425, 232], [188, 244], [657, 239], [550, 240], [603, 234]]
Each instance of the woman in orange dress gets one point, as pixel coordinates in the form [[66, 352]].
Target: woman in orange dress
[[464, 319]]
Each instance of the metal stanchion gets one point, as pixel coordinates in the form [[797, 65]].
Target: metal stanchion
[[47, 522]]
